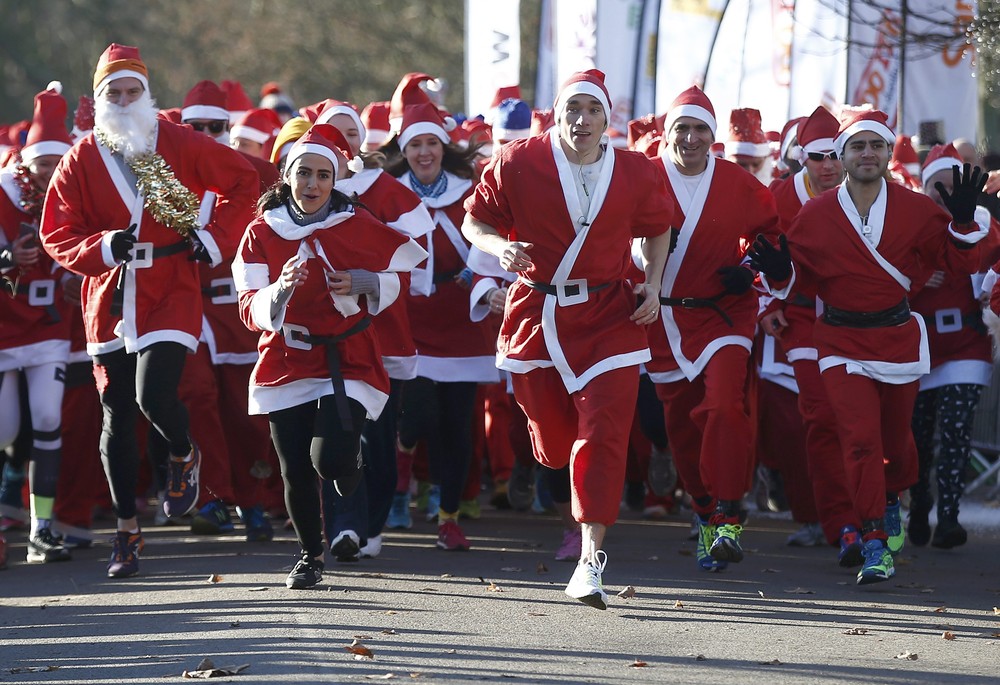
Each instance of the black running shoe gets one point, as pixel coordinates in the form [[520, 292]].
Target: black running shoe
[[44, 546], [307, 573]]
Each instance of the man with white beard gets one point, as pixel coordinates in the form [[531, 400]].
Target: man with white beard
[[122, 210]]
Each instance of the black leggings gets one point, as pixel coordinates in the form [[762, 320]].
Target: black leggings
[[310, 440], [953, 407], [441, 414], [130, 383]]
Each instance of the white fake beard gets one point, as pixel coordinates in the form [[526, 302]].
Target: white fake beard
[[128, 128]]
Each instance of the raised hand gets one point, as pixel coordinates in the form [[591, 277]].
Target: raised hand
[[773, 262], [967, 186]]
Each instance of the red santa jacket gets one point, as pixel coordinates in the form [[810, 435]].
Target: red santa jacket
[[528, 194], [290, 371], [34, 323], [714, 227], [910, 238], [89, 197]]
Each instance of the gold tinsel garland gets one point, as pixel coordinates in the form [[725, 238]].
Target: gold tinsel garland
[[167, 200], [31, 197]]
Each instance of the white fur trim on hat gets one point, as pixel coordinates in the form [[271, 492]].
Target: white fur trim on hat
[[327, 114], [248, 133], [864, 125], [939, 164], [819, 145], [510, 133], [420, 128], [693, 111], [300, 148], [45, 147], [115, 75], [376, 136], [740, 147], [208, 112], [582, 88]]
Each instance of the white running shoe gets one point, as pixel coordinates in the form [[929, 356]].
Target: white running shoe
[[586, 585], [372, 548]]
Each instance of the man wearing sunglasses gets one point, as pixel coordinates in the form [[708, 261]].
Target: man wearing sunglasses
[[791, 323]]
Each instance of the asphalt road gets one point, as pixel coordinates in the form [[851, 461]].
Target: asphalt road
[[498, 613]]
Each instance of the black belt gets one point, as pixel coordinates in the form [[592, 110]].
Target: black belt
[[973, 320], [699, 303], [800, 300], [570, 290], [333, 365], [224, 290], [893, 316], [50, 309], [118, 296], [443, 276]]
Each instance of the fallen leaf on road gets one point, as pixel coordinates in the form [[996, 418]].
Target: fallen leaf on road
[[387, 676], [541, 568], [234, 624], [772, 662], [416, 675], [391, 613], [627, 593], [428, 589], [447, 575], [856, 631], [909, 656], [770, 570], [214, 578], [451, 651], [362, 637], [800, 591], [207, 669], [760, 592], [678, 604], [948, 635], [33, 669], [389, 631], [996, 611], [941, 610], [928, 591], [493, 587], [536, 613], [511, 569], [358, 649], [258, 589], [638, 664], [701, 657]]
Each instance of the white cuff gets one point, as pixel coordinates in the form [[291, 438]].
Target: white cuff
[[208, 240], [969, 238], [989, 281], [109, 258], [477, 310], [780, 294], [260, 309], [388, 292]]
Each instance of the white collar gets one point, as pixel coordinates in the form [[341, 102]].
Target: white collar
[[281, 222]]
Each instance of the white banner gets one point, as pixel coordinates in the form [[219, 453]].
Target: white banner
[[940, 82], [873, 56], [576, 37], [644, 86], [686, 36], [545, 77], [492, 51], [617, 39], [819, 56]]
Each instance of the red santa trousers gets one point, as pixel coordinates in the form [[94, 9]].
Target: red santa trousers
[[873, 421], [834, 503], [199, 392], [588, 429], [709, 428], [781, 444]]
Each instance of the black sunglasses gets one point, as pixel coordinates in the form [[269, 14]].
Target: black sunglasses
[[820, 156], [215, 127]]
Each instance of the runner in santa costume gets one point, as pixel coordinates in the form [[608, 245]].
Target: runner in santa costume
[[354, 523], [123, 211], [311, 272], [961, 365], [791, 323], [861, 250], [701, 349], [454, 354], [34, 319], [561, 210]]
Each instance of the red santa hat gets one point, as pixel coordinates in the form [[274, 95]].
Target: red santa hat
[[506, 93], [173, 115], [119, 61], [475, 131], [691, 103], [421, 119], [863, 120], [83, 118], [940, 158], [323, 140], [649, 124], [47, 134], [237, 101], [789, 146], [816, 133], [331, 108], [375, 117], [541, 121], [408, 92], [205, 101], [258, 125], [903, 152], [746, 135], [717, 149], [589, 82]]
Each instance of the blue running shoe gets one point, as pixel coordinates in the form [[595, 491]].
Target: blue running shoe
[[258, 527], [850, 554], [433, 502], [182, 486], [212, 519], [399, 514], [894, 528], [878, 566], [706, 538]]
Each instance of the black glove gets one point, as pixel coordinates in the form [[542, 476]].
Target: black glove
[[122, 243], [199, 253], [773, 262], [736, 279], [967, 186]]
